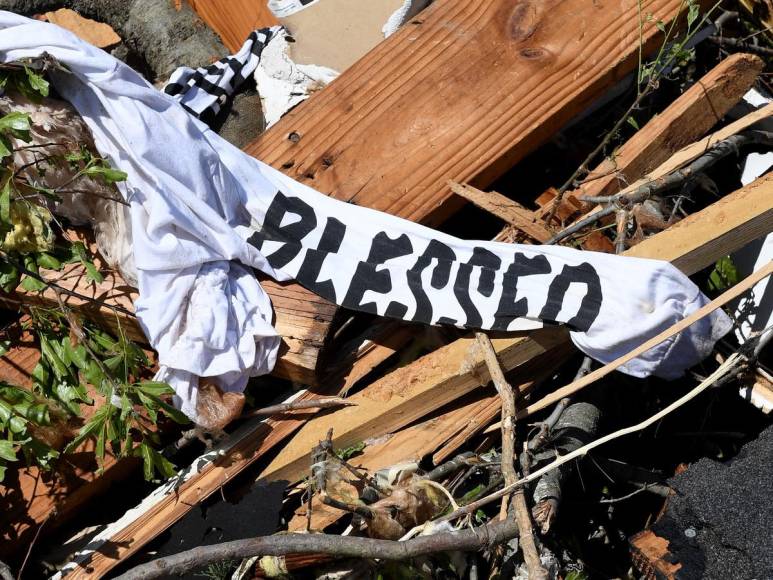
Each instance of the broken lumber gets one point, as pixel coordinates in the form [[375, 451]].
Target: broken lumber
[[409, 393], [506, 209], [424, 107], [254, 440]]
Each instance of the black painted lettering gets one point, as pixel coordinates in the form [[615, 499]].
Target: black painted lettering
[[591, 302], [509, 308], [290, 235], [330, 243], [441, 275], [489, 263], [368, 277]]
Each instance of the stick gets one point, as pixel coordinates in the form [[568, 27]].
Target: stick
[[341, 546], [716, 375], [332, 402], [522, 517]]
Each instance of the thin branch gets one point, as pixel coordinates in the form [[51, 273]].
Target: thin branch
[[728, 366], [673, 180], [331, 403], [340, 546], [20, 267], [522, 516]]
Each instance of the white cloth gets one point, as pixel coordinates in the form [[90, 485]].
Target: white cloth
[[203, 212]]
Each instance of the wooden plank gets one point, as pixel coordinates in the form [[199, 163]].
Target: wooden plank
[[727, 225], [407, 394], [685, 120], [97, 33], [506, 209], [234, 20], [462, 93]]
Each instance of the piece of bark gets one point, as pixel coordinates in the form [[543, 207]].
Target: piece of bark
[[97, 33]]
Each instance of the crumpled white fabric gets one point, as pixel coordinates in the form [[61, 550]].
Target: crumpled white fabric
[[196, 200]]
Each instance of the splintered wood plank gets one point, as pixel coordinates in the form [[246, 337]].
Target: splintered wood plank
[[462, 92], [407, 394], [702, 238], [506, 209], [234, 20], [689, 117]]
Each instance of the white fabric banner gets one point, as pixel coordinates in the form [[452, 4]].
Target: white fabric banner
[[204, 213]]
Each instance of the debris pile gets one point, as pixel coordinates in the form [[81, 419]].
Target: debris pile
[[428, 289]]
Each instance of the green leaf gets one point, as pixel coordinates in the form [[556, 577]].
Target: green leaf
[[109, 174], [92, 274], [724, 275], [5, 147], [91, 427], [30, 284], [146, 452], [692, 14], [37, 82], [17, 124], [9, 276], [163, 465], [48, 261], [175, 414], [661, 26], [632, 122], [2, 473], [5, 203], [7, 451], [77, 354], [155, 388]]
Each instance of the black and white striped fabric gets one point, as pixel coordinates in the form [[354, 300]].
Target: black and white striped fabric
[[203, 91]]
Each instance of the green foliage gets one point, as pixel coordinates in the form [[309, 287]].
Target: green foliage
[[73, 354], [351, 451], [724, 275], [673, 52]]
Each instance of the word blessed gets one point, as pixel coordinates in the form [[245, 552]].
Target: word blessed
[[421, 278]]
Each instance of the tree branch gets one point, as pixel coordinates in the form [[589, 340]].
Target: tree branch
[[340, 546]]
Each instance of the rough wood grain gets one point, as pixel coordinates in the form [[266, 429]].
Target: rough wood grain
[[97, 33], [461, 93], [234, 20], [408, 394]]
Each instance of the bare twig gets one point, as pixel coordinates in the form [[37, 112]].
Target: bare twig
[[741, 45], [332, 402], [673, 180], [522, 516], [728, 366], [340, 546]]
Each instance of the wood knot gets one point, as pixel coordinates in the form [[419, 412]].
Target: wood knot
[[523, 21], [534, 53], [294, 137]]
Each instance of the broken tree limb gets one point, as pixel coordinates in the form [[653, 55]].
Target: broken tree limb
[[340, 546], [680, 177], [331, 403], [521, 510], [696, 111]]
